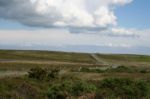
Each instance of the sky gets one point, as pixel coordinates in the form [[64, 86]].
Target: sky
[[102, 26]]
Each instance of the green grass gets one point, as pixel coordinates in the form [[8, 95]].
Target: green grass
[[110, 88], [22, 88]]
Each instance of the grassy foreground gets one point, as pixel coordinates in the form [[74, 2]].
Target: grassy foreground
[[51, 84]]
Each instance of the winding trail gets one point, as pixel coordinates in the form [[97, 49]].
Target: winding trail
[[99, 60], [43, 62], [103, 62]]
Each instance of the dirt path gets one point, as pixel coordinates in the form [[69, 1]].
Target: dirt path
[[4, 74], [12, 73], [102, 61]]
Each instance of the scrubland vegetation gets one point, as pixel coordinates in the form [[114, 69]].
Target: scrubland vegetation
[[60, 75]]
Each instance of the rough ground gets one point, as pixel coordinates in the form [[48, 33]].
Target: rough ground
[[99, 61], [20, 73]]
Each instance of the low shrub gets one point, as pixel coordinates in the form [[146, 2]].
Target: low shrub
[[143, 71], [42, 74], [68, 89], [37, 73], [123, 88], [120, 69], [117, 69], [80, 88], [52, 74], [84, 69]]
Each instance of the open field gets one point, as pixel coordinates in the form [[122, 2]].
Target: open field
[[94, 70], [22, 61], [46, 56]]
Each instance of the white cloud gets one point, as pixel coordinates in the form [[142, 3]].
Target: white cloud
[[104, 17], [122, 2], [62, 13], [77, 13]]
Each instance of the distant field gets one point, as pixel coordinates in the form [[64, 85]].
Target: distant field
[[68, 56], [46, 55], [24, 60], [123, 57]]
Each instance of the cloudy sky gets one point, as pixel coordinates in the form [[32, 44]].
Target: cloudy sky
[[105, 26]]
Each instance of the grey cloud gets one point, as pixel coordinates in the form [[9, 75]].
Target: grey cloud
[[20, 11], [87, 30], [106, 32], [123, 35], [16, 9]]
